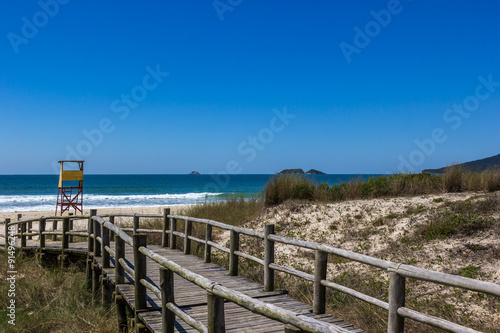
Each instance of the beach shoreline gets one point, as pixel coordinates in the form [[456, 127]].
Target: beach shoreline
[[174, 209]]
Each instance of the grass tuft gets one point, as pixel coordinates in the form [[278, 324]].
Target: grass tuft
[[52, 300], [292, 187], [454, 177]]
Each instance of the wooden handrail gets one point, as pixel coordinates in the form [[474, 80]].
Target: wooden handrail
[[398, 272], [254, 305]]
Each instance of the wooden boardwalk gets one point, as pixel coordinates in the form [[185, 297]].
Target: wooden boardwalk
[[171, 290], [193, 299]]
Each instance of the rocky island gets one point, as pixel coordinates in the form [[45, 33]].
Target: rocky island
[[194, 173], [315, 172], [300, 172]]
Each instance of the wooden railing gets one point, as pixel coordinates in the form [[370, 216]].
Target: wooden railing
[[101, 231]]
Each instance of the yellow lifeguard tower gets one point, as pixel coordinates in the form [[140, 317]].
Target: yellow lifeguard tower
[[70, 189]]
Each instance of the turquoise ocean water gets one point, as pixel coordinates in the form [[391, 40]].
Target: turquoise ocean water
[[39, 192]]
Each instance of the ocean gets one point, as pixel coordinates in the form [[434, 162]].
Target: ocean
[[21, 193]]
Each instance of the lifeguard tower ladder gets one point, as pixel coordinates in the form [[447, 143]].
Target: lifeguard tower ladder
[[70, 189]]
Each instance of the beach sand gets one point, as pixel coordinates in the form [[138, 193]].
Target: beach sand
[[140, 210], [81, 224]]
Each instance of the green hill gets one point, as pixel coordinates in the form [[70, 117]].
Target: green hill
[[478, 165]]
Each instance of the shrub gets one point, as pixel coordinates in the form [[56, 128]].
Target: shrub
[[285, 187], [454, 178], [491, 180], [473, 181], [338, 192], [375, 187], [303, 192], [354, 189]]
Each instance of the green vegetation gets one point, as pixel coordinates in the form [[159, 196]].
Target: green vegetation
[[51, 300], [470, 271], [463, 218], [286, 187], [234, 211], [450, 219]]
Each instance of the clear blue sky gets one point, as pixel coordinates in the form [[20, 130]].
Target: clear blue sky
[[360, 86]]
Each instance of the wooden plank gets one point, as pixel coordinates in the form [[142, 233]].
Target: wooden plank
[[193, 299]]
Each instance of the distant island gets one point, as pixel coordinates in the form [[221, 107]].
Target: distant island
[[300, 172], [194, 173], [492, 162]]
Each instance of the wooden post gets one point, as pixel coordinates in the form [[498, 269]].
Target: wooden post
[[30, 228], [139, 271], [30, 224], [41, 229], [6, 230], [187, 232], [105, 242], [90, 249], [23, 236], [112, 235], [121, 313], [97, 245], [106, 285], [173, 239], [167, 296], [233, 258], [164, 237], [96, 282], [107, 291], [320, 268], [120, 254], [64, 240], [90, 228], [65, 236], [208, 248], [96, 271], [216, 320], [268, 258], [70, 227], [396, 300], [136, 223], [19, 226], [54, 228]]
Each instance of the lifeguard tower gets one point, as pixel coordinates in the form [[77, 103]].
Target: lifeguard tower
[[70, 189]]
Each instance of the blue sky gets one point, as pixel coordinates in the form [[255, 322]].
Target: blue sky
[[248, 86]]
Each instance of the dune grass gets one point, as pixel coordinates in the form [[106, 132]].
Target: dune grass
[[51, 300], [285, 187]]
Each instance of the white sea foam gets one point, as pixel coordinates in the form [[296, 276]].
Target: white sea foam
[[23, 203]]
